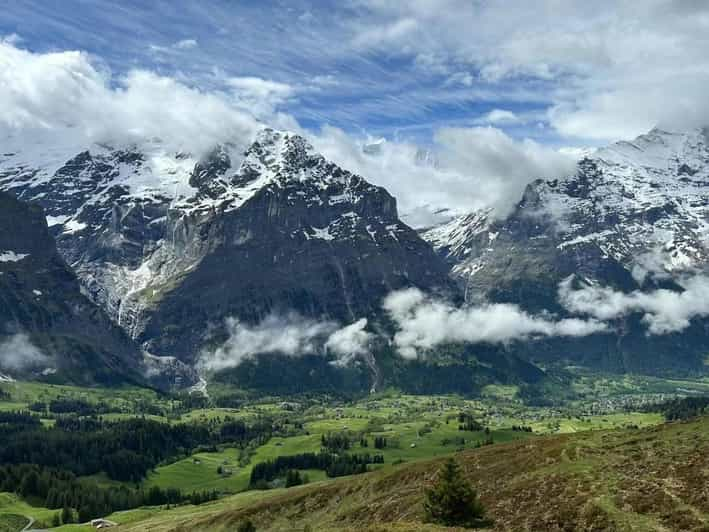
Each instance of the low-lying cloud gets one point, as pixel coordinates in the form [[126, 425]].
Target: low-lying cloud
[[350, 342], [424, 322], [288, 335], [18, 353], [664, 311]]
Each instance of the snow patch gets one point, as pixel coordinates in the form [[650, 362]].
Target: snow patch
[[11, 256]]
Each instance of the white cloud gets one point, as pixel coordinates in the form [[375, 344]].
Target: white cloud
[[18, 353], [186, 44], [664, 311], [260, 96], [288, 335], [65, 92], [175, 48], [466, 169], [609, 69], [383, 34], [351, 341], [424, 323], [500, 116]]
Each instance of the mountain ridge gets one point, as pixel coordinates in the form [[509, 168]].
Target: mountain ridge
[[332, 242]]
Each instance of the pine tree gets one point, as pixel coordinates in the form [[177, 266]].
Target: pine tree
[[452, 501]]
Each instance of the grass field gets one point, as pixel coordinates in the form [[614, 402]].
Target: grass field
[[417, 429], [652, 479], [11, 504]]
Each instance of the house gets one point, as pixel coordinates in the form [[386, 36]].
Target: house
[[100, 524]]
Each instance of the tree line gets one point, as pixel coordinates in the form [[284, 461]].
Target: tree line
[[334, 465], [684, 408], [125, 450], [59, 489]]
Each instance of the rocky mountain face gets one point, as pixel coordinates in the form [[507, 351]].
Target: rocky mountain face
[[170, 246], [634, 216], [47, 326]]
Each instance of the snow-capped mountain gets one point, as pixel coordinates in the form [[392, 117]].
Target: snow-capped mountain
[[633, 215], [644, 204], [170, 246]]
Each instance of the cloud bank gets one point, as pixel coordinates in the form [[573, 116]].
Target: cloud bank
[[67, 93], [424, 322], [607, 70], [664, 311], [466, 169]]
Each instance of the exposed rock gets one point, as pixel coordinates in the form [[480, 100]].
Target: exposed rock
[[48, 328], [170, 246]]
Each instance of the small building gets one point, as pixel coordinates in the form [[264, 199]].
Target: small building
[[100, 524]]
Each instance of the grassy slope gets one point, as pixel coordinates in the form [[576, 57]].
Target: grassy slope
[[190, 475], [13, 509], [648, 479]]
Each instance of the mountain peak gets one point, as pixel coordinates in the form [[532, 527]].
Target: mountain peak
[[659, 149]]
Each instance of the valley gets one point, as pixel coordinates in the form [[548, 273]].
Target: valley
[[406, 431], [362, 266]]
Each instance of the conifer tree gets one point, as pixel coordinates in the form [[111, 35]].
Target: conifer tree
[[452, 501]]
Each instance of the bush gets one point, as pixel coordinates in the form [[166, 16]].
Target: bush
[[452, 501]]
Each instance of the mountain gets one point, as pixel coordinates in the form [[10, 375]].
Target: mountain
[[634, 216], [170, 246], [48, 328]]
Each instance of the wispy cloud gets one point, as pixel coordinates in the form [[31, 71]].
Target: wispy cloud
[[18, 353]]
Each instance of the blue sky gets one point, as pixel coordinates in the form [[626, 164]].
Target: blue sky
[[310, 46]]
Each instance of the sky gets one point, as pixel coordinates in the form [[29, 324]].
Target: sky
[[475, 98]]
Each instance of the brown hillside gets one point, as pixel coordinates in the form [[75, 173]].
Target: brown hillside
[[650, 479]]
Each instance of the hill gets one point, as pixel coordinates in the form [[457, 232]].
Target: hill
[[649, 479]]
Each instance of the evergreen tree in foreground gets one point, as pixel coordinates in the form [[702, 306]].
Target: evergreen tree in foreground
[[452, 501]]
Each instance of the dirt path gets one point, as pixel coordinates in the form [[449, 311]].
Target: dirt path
[[29, 524]]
